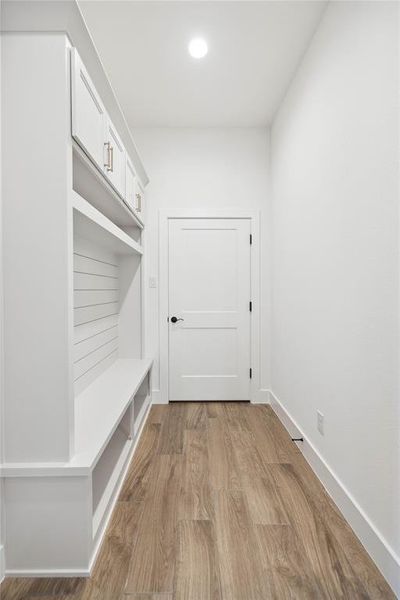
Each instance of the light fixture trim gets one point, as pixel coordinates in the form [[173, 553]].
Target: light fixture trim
[[198, 48]]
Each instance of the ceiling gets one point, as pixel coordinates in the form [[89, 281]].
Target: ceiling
[[254, 50]]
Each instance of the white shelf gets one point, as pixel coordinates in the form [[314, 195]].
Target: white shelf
[[100, 407], [92, 184], [91, 224]]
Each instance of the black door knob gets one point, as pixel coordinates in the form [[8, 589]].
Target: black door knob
[[176, 319]]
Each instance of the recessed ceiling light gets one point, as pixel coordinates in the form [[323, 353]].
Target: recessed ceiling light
[[198, 48]]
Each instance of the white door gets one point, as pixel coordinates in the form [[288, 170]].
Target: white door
[[209, 292]]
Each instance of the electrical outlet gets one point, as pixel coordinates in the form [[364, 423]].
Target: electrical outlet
[[320, 422], [152, 282]]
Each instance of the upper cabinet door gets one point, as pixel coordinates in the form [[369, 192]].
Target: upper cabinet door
[[130, 185], [88, 114], [114, 158], [140, 199]]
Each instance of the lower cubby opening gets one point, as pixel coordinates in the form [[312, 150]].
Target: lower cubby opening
[[140, 403], [109, 469], [110, 465]]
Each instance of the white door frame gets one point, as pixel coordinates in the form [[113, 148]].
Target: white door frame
[[164, 217]]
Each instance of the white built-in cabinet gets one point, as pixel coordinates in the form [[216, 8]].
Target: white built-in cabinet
[[94, 131], [77, 382]]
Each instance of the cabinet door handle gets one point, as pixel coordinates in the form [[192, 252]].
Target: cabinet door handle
[[139, 202], [111, 159], [107, 147]]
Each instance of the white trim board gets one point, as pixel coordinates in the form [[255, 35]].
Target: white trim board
[[2, 563], [50, 573], [374, 543], [261, 397], [208, 213], [156, 396]]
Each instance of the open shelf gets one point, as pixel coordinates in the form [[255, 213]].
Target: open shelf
[[91, 224], [91, 183], [101, 406]]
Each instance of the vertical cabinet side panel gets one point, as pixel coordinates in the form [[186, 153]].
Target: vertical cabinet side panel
[[37, 177]]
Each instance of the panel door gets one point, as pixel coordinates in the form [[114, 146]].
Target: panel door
[[139, 199], [88, 114], [115, 158], [209, 292], [130, 185]]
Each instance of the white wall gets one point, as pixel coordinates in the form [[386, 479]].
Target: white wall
[[334, 161], [214, 168], [2, 528]]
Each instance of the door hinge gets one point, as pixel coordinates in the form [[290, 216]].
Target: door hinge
[[251, 239], [250, 306], [251, 373]]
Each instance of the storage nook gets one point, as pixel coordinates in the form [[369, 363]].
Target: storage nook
[[77, 381]]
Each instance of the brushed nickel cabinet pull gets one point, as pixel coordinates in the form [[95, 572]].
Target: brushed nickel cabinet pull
[[139, 202], [111, 159], [107, 147]]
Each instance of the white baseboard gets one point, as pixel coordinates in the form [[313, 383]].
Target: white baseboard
[[2, 563], [49, 573], [157, 397], [375, 544], [261, 397]]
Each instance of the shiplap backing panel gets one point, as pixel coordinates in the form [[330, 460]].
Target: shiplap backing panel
[[83, 366], [82, 382], [84, 298], [86, 347], [93, 266], [83, 281], [96, 311], [93, 328]]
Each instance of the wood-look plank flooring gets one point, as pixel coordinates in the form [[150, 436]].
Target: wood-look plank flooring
[[219, 504]]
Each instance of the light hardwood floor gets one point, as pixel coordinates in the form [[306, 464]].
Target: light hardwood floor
[[219, 504]]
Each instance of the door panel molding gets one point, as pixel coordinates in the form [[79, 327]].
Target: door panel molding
[[164, 217]]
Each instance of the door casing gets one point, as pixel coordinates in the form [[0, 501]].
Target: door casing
[[162, 396]]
